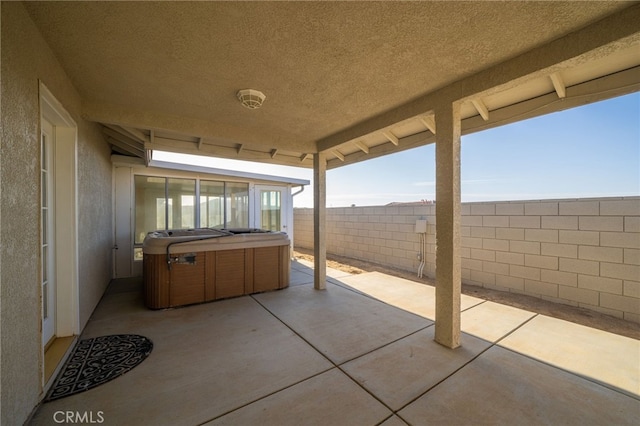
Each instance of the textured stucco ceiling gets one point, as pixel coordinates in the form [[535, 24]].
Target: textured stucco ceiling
[[322, 65]]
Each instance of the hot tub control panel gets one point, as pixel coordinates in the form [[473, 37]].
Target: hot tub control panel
[[186, 258]]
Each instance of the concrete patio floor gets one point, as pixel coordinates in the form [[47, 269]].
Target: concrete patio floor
[[359, 353]]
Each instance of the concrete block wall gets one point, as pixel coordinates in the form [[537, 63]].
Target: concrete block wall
[[581, 252], [383, 235]]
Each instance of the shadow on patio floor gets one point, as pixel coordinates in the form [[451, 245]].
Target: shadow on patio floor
[[359, 353], [582, 316]]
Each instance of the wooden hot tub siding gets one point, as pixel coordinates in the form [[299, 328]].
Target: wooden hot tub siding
[[214, 275]]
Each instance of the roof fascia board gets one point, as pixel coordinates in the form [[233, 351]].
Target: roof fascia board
[[222, 172], [123, 160], [409, 142], [230, 152], [126, 161], [621, 28]]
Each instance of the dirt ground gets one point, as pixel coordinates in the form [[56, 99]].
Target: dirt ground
[[573, 314]]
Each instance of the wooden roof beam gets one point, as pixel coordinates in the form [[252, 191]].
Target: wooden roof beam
[[113, 134], [363, 147], [126, 147], [558, 84], [429, 123], [392, 138], [481, 108], [135, 133]]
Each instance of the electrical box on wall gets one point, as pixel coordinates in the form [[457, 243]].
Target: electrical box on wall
[[421, 226]]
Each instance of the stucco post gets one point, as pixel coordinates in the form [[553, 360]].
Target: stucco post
[[319, 221], [448, 271]]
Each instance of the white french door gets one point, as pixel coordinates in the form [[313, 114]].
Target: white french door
[[47, 233], [271, 208]]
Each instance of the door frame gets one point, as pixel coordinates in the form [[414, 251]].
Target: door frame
[[66, 214], [47, 231]]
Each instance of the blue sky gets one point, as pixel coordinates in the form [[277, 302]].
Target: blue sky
[[589, 151]]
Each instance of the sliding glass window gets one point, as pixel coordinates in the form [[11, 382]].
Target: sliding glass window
[[170, 203], [162, 203], [151, 206], [224, 204], [181, 203], [237, 206], [211, 204]]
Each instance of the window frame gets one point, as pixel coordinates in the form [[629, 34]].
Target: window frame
[[137, 246]]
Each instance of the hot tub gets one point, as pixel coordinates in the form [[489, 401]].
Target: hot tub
[[183, 267]]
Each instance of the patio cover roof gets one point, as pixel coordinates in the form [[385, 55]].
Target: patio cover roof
[[222, 173], [355, 80]]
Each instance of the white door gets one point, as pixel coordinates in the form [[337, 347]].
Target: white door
[[47, 233], [271, 209]]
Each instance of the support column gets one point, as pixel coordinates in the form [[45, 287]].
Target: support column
[[319, 221], [448, 270]]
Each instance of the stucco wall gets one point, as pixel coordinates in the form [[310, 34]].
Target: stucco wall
[[26, 59], [95, 217], [578, 252]]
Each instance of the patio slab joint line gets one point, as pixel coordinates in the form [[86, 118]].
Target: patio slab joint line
[[384, 346], [573, 373], [338, 365], [587, 378], [492, 344], [473, 306], [515, 329], [362, 293], [265, 396]]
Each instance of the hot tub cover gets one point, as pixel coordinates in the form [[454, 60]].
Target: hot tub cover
[[206, 239]]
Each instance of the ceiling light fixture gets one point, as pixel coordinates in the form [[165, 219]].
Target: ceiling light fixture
[[251, 98]]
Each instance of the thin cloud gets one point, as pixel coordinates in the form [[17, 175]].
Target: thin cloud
[[378, 195], [486, 180], [465, 181]]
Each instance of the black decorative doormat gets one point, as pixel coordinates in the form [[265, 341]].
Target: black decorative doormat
[[98, 360]]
